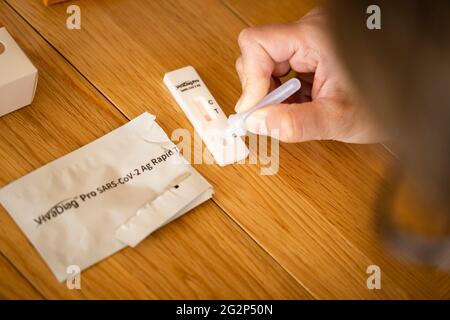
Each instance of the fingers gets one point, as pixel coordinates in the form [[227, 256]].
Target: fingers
[[279, 70], [255, 68], [323, 108], [321, 119], [268, 51], [307, 121]]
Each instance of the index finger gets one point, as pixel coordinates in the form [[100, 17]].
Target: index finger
[[267, 51]]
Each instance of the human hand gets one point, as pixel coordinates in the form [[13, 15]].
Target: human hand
[[326, 108]]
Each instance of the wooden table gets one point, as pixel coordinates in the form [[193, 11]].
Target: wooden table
[[304, 233]]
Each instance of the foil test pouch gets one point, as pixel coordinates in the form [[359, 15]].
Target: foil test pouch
[[109, 194]]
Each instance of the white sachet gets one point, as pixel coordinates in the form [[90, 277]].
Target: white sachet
[[104, 196]]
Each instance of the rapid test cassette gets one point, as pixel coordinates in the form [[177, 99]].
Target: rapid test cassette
[[208, 119]]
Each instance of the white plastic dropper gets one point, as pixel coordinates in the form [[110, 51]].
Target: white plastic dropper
[[236, 122]]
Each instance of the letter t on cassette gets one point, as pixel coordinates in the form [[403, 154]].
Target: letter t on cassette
[[208, 119]]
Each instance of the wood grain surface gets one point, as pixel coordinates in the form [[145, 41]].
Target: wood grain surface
[[270, 11], [314, 218], [202, 255], [13, 284]]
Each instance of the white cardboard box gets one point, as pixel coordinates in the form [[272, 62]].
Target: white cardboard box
[[18, 76]]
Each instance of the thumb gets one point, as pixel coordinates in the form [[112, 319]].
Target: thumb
[[293, 122]]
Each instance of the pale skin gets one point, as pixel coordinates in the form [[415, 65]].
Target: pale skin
[[326, 108]]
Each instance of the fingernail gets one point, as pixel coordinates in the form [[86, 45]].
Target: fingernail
[[256, 122]]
